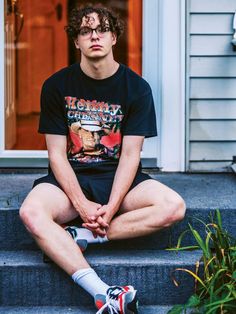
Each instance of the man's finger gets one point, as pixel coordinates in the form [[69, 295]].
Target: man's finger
[[96, 232], [93, 225], [102, 222], [101, 211], [87, 227], [101, 232]]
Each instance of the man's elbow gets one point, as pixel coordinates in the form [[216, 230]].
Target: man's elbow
[[132, 155], [56, 156]]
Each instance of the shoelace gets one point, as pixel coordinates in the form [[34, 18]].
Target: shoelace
[[109, 304]]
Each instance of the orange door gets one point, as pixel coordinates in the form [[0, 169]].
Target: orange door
[[40, 50]]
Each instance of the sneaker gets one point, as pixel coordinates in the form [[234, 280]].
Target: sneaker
[[82, 243], [118, 300]]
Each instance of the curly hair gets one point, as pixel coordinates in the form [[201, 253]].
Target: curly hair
[[105, 15]]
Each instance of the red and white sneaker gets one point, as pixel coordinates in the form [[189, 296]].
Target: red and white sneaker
[[118, 300], [82, 243]]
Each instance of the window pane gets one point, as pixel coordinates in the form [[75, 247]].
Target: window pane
[[36, 46]]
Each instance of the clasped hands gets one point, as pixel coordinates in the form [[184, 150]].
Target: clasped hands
[[96, 217]]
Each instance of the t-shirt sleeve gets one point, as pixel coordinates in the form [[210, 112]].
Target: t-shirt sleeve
[[141, 117], [52, 115]]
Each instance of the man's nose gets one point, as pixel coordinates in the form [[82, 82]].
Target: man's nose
[[94, 34]]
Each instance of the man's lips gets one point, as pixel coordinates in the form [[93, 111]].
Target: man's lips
[[95, 47]]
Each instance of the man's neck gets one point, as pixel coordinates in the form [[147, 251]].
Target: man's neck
[[99, 69]]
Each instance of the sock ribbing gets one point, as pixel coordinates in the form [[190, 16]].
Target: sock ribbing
[[88, 279]]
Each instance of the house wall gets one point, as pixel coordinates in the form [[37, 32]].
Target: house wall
[[211, 85]]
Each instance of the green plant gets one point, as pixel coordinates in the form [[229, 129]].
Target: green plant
[[215, 289]]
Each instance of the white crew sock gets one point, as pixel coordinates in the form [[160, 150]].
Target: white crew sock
[[85, 234], [88, 279]]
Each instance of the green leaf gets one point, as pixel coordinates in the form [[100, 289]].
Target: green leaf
[[219, 220], [181, 238], [192, 247], [199, 241], [220, 302], [234, 275], [217, 274], [193, 301], [177, 309], [198, 219], [191, 273], [208, 238]]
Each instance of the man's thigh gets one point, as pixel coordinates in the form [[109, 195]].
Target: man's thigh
[[147, 193], [52, 201]]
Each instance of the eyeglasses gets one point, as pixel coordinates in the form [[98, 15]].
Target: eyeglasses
[[86, 32]]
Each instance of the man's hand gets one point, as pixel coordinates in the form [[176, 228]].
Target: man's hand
[[98, 226], [90, 211]]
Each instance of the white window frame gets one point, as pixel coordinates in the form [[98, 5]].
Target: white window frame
[[13, 158], [151, 71], [172, 136], [163, 70]]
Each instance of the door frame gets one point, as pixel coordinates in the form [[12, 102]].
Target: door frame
[[165, 71], [173, 80]]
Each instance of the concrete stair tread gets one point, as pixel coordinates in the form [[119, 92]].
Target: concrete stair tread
[[74, 310], [132, 257], [199, 190], [26, 280]]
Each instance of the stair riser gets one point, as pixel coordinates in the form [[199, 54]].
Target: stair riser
[[13, 235], [47, 285]]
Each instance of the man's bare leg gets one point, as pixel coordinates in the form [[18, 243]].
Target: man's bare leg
[[147, 208], [44, 208]]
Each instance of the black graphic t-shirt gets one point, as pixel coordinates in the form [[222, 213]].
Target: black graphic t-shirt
[[96, 114]]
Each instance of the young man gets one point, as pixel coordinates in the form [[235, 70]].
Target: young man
[[95, 116]]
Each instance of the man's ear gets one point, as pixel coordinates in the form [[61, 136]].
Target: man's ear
[[76, 43], [114, 39]]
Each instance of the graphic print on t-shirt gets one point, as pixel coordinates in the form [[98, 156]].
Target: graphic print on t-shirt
[[94, 130]]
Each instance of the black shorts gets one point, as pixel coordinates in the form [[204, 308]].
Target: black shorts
[[95, 182]]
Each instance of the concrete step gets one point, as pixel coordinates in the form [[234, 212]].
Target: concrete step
[[27, 281], [203, 193], [74, 310], [199, 190], [14, 236]]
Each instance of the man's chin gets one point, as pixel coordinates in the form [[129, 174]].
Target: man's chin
[[96, 57]]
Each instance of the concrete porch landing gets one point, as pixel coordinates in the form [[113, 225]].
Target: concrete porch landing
[[198, 190]]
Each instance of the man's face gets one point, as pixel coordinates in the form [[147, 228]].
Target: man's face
[[96, 44]]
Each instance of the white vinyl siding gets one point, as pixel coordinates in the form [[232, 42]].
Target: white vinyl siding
[[211, 85]]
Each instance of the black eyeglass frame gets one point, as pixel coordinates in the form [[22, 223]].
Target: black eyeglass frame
[[100, 31]]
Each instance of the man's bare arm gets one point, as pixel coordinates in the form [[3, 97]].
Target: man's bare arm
[[56, 145], [126, 170], [125, 173]]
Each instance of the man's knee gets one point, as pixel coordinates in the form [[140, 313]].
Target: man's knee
[[33, 217], [175, 210]]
